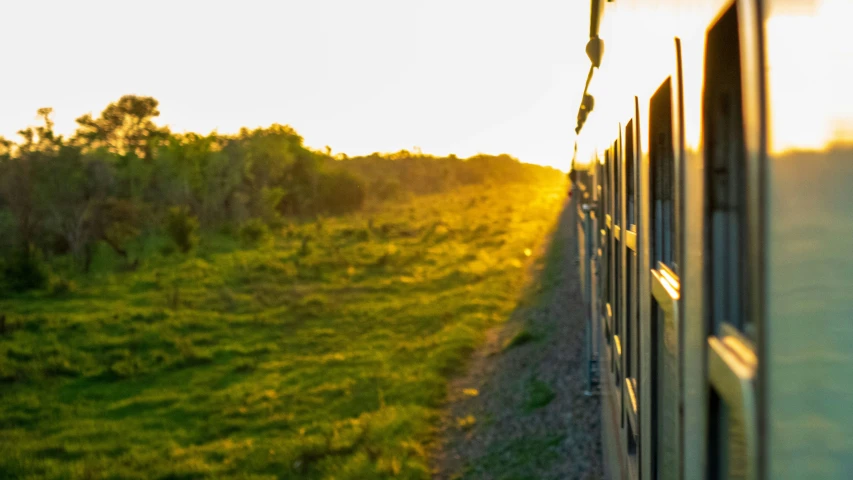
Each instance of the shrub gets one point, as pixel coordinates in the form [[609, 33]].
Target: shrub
[[56, 366], [60, 286], [305, 249], [245, 365], [254, 231], [363, 234], [340, 192], [269, 201], [191, 355], [118, 222], [384, 189], [182, 227], [227, 229], [167, 249], [24, 271]]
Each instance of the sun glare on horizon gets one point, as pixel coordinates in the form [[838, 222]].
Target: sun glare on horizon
[[490, 77]]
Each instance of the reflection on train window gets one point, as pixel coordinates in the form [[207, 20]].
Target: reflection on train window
[[725, 177], [663, 185]]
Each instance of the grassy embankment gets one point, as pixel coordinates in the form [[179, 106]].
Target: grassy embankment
[[323, 353]]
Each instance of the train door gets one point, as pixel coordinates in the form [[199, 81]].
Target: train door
[[729, 286], [594, 325], [602, 267], [618, 276], [607, 265], [630, 404], [665, 416]]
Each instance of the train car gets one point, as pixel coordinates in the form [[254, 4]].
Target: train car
[[715, 224]]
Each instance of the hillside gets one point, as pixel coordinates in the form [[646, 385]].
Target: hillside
[[322, 349]]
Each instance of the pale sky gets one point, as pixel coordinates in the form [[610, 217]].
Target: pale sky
[[448, 76]]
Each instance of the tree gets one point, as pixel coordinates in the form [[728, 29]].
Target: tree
[[16, 188], [5, 149], [117, 222], [69, 189], [18, 178], [40, 138], [182, 227], [125, 127]]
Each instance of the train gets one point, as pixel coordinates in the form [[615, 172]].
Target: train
[[712, 187]]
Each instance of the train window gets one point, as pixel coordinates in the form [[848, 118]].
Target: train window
[[608, 200], [632, 354], [631, 325], [725, 232], [629, 346], [615, 291], [598, 191], [611, 261], [662, 249], [630, 214], [604, 278], [664, 246], [617, 184], [617, 220], [607, 247], [725, 154]]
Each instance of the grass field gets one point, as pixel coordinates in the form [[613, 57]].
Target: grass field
[[324, 352]]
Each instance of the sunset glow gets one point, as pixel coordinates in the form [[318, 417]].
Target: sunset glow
[[448, 77]]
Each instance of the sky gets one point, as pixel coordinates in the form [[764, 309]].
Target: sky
[[447, 76]]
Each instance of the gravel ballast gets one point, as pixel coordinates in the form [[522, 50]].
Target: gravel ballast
[[519, 410]]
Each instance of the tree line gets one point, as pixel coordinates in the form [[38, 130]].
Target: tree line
[[120, 175]]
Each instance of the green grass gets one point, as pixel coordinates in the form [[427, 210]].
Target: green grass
[[323, 353], [522, 337], [518, 459], [539, 394]]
